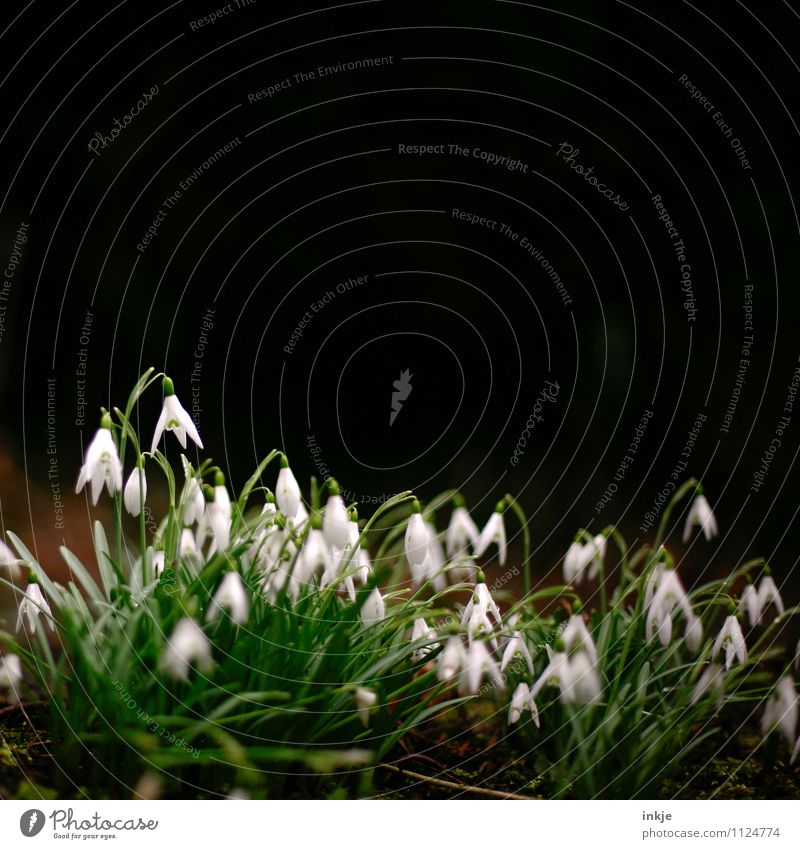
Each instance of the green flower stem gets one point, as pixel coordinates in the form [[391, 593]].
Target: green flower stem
[[526, 541]]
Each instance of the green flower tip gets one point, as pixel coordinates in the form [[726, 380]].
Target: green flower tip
[[415, 506], [698, 490], [732, 608], [500, 506], [32, 579], [315, 520], [105, 420], [219, 478], [480, 578], [269, 498], [458, 500], [353, 514], [559, 645], [167, 386], [767, 570], [333, 487], [208, 492], [284, 461], [577, 606]]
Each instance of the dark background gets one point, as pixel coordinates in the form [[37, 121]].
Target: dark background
[[317, 193]]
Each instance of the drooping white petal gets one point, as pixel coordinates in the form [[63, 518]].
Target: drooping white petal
[[494, 531], [451, 659], [287, 493], [135, 491], [700, 514], [101, 466], [462, 532], [336, 523], [781, 711], [188, 645], [33, 603], [365, 700], [517, 646], [576, 636], [731, 639], [522, 701], [231, 595], [768, 593], [374, 609], [751, 604], [416, 540], [173, 417]]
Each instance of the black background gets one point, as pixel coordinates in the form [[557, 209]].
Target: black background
[[317, 193]]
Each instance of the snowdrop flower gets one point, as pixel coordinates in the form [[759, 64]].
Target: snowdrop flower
[[101, 464], [374, 610], [194, 502], [8, 559], [732, 640], [365, 700], [768, 593], [315, 558], [422, 631], [700, 514], [287, 490], [712, 680], [575, 561], [576, 636], [597, 551], [335, 519], [451, 659], [693, 634], [781, 710], [516, 646], [173, 417], [32, 604], [135, 491], [187, 645], [462, 532], [584, 687], [557, 673], [476, 613], [479, 663], [749, 603], [433, 565], [10, 675], [232, 596], [416, 539], [158, 561], [493, 531], [187, 547], [219, 513], [522, 701]]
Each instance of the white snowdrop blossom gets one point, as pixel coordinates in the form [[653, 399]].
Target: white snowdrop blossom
[[101, 466], [664, 594], [336, 520], [557, 673], [188, 646], [10, 675], [366, 702], [478, 664], [194, 502], [8, 559], [476, 614], [287, 491], [522, 701], [32, 604], [462, 532], [416, 540], [781, 710], [374, 609], [231, 595], [584, 686], [451, 659], [700, 514], [218, 519], [422, 631], [576, 636], [731, 639], [173, 417], [494, 531], [583, 560], [693, 633], [768, 593], [749, 603], [711, 681], [135, 491], [516, 646]]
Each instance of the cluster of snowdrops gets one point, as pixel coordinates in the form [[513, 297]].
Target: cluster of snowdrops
[[287, 627]]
